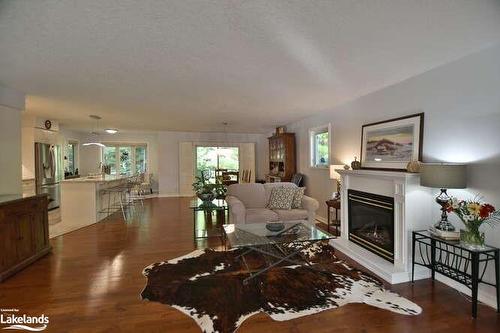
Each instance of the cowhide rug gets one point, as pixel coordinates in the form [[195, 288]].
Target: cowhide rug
[[207, 286]]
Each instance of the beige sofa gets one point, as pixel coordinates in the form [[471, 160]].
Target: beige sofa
[[248, 204]]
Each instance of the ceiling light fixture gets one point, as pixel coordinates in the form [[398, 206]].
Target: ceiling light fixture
[[94, 134], [111, 130]]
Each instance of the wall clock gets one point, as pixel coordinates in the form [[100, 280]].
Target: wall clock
[[48, 124]]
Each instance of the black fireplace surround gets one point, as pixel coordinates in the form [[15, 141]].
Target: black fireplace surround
[[371, 222]]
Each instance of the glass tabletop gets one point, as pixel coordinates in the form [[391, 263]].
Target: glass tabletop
[[255, 234], [217, 204], [456, 243]]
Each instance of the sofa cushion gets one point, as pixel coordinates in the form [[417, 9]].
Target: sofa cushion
[[281, 198], [252, 195], [297, 198], [291, 214], [261, 215], [268, 187]]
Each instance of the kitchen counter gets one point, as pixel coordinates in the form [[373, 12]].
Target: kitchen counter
[[96, 179], [84, 201], [10, 198]]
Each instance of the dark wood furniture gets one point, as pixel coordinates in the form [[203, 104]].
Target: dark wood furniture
[[281, 157], [227, 177], [334, 203], [24, 232], [298, 179], [457, 262]]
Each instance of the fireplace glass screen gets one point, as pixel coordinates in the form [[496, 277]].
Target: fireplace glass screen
[[371, 222]]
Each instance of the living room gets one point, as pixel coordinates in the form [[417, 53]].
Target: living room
[[212, 152]]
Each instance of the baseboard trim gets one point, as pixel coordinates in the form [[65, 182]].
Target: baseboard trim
[[484, 295]]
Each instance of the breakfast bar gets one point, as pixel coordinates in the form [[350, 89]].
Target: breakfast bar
[[85, 201]]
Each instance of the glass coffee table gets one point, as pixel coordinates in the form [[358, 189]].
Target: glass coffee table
[[278, 247], [200, 225]]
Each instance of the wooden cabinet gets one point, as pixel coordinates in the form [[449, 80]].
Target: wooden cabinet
[[281, 157], [24, 232]]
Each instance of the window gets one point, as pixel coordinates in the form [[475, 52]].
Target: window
[[140, 159], [109, 158], [320, 146], [70, 157], [125, 159]]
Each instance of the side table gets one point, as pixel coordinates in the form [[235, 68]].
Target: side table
[[201, 229], [457, 262], [333, 203]]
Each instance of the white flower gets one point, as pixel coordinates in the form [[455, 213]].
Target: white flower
[[468, 218]]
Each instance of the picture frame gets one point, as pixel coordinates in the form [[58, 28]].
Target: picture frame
[[391, 144]]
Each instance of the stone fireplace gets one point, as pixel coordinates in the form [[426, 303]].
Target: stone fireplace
[[371, 222], [379, 210]]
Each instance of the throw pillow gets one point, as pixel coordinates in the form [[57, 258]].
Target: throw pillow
[[281, 198], [297, 198]]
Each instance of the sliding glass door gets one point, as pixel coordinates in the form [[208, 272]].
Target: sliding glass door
[[213, 158]]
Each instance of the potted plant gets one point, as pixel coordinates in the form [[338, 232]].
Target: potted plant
[[473, 213], [207, 191]]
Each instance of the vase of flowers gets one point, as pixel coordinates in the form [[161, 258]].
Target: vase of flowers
[[473, 214]]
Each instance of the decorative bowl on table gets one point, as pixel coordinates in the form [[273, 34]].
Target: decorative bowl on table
[[275, 226], [206, 196]]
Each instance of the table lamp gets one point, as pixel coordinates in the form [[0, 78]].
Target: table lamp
[[443, 176], [335, 175]]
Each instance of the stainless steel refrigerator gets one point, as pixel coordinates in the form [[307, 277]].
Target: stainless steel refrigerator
[[48, 172]]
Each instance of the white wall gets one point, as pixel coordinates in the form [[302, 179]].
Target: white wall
[[169, 154], [461, 101], [10, 146], [11, 104], [28, 148]]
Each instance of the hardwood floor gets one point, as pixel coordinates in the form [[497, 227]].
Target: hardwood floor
[[92, 280]]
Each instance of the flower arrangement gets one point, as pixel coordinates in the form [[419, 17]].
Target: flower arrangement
[[473, 213]]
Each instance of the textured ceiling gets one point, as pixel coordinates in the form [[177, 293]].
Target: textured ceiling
[[190, 65]]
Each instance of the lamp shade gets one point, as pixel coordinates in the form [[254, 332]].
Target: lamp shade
[[446, 176], [334, 174]]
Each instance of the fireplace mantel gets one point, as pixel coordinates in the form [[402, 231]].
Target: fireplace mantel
[[411, 212]]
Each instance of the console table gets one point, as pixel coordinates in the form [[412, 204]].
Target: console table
[[457, 262]]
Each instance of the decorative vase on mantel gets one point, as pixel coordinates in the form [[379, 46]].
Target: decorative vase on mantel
[[356, 165], [473, 215]]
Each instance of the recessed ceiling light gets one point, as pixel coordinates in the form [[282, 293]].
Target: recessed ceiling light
[[111, 130]]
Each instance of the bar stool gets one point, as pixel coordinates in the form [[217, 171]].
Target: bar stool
[[135, 192], [114, 193], [131, 194]]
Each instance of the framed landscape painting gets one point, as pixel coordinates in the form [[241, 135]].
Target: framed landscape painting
[[391, 144]]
